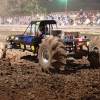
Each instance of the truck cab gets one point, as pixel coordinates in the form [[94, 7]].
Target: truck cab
[[32, 36]]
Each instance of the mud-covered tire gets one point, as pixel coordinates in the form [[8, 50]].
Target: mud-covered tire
[[94, 52], [2, 50], [52, 54]]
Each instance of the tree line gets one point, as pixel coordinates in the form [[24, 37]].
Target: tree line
[[11, 7]]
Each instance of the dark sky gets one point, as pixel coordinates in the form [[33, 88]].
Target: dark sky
[[72, 5]]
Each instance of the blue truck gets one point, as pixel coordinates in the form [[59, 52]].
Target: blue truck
[[51, 46]]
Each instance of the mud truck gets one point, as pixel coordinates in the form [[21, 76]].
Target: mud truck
[[51, 46]]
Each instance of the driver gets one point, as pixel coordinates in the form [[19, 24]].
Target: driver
[[41, 30]]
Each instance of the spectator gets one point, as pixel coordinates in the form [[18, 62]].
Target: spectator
[[81, 13], [87, 22], [98, 15], [98, 21]]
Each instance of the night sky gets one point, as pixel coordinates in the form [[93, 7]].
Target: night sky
[[72, 5]]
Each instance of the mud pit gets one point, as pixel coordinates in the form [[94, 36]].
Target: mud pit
[[21, 78]]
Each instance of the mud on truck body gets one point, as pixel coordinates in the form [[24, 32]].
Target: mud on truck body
[[51, 46]]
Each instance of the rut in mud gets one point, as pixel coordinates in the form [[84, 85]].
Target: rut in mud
[[21, 78]]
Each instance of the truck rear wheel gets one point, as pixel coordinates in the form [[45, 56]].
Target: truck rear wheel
[[94, 52], [2, 50], [52, 54]]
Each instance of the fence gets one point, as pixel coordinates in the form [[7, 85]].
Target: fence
[[64, 28]]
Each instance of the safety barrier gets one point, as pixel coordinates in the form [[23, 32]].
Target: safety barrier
[[64, 28]]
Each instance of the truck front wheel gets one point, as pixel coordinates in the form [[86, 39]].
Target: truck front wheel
[[52, 54]]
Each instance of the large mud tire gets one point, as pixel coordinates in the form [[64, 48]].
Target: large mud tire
[[52, 54], [94, 52], [2, 50]]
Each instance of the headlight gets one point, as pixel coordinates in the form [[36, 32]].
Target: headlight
[[16, 38], [87, 43], [7, 38]]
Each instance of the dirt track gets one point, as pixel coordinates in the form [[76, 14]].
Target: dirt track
[[21, 78]]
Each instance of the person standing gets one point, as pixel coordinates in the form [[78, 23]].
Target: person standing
[[81, 13], [81, 16]]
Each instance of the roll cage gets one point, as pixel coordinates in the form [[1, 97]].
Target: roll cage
[[33, 27]]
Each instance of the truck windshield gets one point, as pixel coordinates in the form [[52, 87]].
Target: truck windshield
[[31, 30]]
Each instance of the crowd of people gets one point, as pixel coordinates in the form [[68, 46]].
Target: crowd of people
[[80, 18], [20, 20]]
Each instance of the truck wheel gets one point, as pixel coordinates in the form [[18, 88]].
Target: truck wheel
[[2, 50], [52, 54], [94, 52]]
